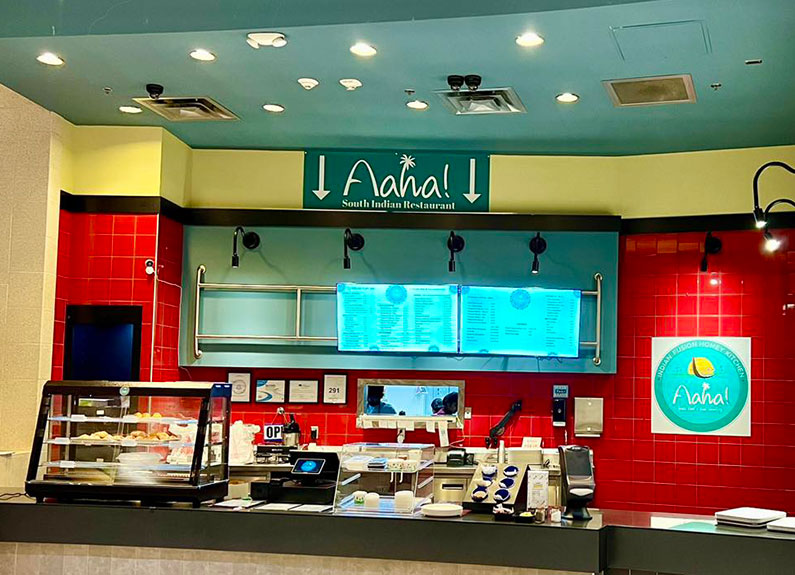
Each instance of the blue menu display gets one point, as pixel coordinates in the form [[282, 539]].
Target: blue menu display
[[397, 318], [520, 321]]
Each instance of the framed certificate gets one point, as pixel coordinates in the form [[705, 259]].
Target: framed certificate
[[304, 391], [241, 386], [271, 391], [335, 388]]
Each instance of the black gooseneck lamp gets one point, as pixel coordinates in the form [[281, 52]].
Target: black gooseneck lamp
[[353, 241], [538, 246], [455, 244], [712, 246], [761, 216], [250, 241]]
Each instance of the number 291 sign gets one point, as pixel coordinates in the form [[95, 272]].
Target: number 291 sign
[[701, 386]]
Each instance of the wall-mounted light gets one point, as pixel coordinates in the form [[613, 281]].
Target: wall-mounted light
[[771, 242], [761, 216], [455, 244], [538, 246], [353, 241], [250, 241], [712, 246]]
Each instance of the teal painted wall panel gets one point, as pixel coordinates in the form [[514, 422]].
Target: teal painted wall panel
[[313, 256]]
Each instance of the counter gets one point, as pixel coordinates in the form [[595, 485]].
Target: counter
[[668, 543]]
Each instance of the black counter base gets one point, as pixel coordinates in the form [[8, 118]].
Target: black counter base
[[146, 494], [612, 540]]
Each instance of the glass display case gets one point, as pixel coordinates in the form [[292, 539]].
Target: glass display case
[[150, 442], [384, 477]]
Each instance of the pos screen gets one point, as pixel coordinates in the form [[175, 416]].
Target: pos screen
[[308, 466]]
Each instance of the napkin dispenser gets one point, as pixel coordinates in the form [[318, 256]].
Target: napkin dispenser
[[577, 476]]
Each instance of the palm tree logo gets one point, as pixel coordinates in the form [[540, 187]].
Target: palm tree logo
[[407, 161]]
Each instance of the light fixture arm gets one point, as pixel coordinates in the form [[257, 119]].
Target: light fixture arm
[[251, 241], [758, 212], [455, 244], [712, 246], [774, 203], [353, 241]]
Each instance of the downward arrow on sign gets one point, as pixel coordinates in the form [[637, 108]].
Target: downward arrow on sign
[[321, 192], [472, 196]]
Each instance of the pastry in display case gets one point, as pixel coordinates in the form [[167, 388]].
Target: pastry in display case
[[148, 442], [384, 477]]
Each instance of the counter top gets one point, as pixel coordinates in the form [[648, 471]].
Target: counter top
[[657, 542]]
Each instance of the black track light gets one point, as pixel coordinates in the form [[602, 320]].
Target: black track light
[[712, 246], [538, 246], [351, 241], [772, 243], [455, 244], [250, 241], [760, 215]]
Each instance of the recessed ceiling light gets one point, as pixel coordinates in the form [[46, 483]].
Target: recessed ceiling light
[[202, 55], [50, 59], [308, 83], [273, 108], [529, 39], [362, 49], [130, 109], [567, 97], [417, 105], [351, 84], [258, 39]]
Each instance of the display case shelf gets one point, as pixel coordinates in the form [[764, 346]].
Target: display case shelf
[[117, 443], [66, 464], [420, 466], [127, 419], [408, 477]]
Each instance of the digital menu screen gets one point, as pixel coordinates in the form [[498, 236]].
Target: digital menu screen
[[397, 318], [520, 321]]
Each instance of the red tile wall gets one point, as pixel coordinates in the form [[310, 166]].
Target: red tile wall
[[101, 261], [168, 299], [661, 293]]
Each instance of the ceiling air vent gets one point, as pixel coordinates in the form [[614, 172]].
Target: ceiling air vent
[[651, 91], [187, 109], [482, 101]]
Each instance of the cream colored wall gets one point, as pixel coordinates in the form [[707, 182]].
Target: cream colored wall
[[554, 184], [175, 169], [246, 179], [125, 161], [714, 182], [117, 161], [31, 145], [693, 183]]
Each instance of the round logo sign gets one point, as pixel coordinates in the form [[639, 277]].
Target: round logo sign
[[701, 386]]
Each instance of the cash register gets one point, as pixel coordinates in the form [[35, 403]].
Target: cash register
[[312, 480]]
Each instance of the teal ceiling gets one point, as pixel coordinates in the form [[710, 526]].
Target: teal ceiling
[[124, 45]]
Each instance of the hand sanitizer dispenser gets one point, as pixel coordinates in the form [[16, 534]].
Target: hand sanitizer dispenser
[[576, 473]]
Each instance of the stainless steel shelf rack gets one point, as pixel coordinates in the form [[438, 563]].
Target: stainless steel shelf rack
[[299, 290]]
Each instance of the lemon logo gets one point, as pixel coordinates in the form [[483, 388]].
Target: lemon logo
[[701, 367], [701, 386]]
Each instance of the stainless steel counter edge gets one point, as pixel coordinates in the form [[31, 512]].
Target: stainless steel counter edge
[[473, 539]]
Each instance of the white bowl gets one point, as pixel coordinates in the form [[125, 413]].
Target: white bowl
[[441, 510]]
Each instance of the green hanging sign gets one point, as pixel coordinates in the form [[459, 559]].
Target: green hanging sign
[[396, 181]]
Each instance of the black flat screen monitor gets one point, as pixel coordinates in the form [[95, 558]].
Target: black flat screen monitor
[[103, 342]]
